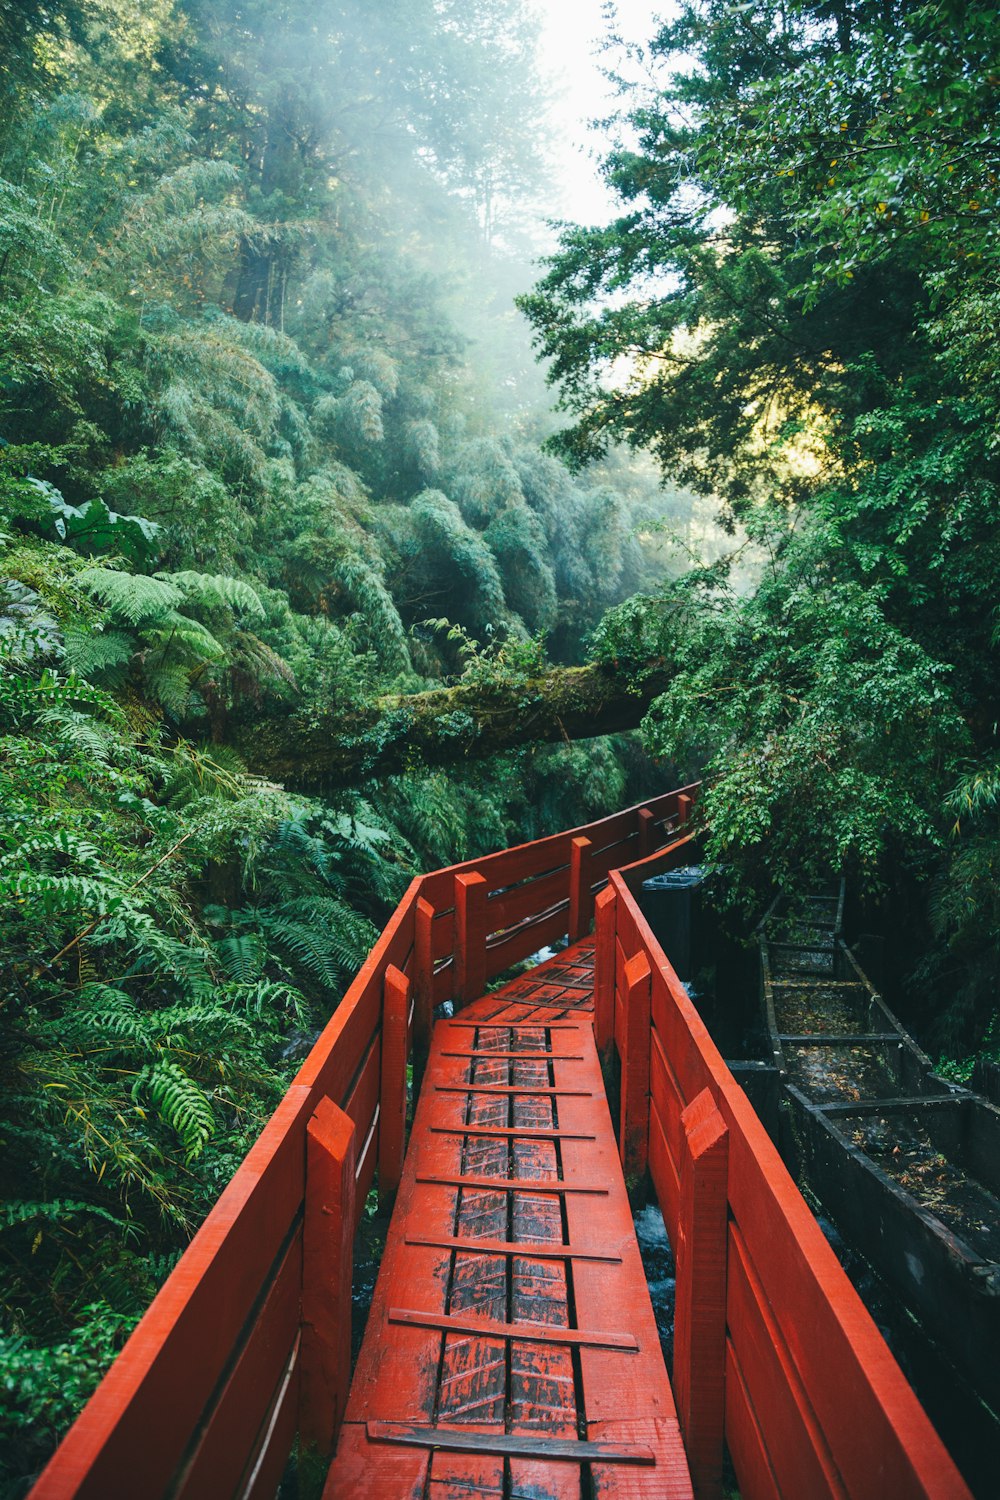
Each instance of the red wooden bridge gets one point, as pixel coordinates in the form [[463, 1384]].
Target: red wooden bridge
[[511, 1348]]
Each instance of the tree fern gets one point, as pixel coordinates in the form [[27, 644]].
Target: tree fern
[[216, 590], [132, 597]]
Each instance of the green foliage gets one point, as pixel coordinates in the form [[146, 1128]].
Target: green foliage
[[794, 313], [255, 281]]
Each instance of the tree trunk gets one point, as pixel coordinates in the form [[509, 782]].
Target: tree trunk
[[447, 726]]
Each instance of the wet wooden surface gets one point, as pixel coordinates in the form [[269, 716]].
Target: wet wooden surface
[[512, 1146]]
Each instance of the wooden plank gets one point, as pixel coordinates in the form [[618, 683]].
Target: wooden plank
[[541, 1185], [700, 1316], [362, 1102], [422, 980], [543, 1387], [174, 1359], [547, 1056], [392, 1096], [744, 1437], [646, 821], [364, 1470], [498, 1329], [581, 904], [270, 1461], [510, 1089], [797, 1451], [509, 1131], [634, 1138], [245, 1402], [473, 1377], [512, 1247], [470, 937], [604, 969], [327, 1271], [448, 1439], [539, 894], [665, 1174], [527, 939]]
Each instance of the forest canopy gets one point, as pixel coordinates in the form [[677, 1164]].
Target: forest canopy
[[796, 313]]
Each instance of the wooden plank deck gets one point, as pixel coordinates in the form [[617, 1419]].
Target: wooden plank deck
[[528, 1364]]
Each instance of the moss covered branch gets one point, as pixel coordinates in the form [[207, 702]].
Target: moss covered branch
[[448, 725]]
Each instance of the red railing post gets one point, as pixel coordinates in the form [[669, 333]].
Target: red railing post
[[647, 821], [700, 1314], [392, 1090], [423, 987], [634, 1136], [605, 915], [470, 937], [581, 900], [684, 805], [327, 1270]]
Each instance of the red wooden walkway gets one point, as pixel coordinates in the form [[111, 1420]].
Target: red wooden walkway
[[511, 1347], [535, 1327]]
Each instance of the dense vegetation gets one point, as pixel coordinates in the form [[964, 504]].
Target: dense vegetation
[[796, 311], [270, 450]]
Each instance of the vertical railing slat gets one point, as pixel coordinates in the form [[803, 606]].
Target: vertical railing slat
[[327, 1271]]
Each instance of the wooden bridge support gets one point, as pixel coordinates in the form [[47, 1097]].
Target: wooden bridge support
[[604, 969], [327, 1272], [581, 897], [423, 987], [392, 1090], [470, 937], [634, 1138], [647, 831], [700, 1309]]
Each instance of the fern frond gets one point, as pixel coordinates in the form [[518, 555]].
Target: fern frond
[[180, 1102], [131, 596], [242, 957], [217, 589], [56, 1211]]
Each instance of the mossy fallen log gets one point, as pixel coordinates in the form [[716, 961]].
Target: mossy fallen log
[[447, 726]]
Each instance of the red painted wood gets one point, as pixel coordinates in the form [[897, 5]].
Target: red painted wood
[[506, 1365], [634, 1137], [814, 1402], [797, 1451], [700, 1309], [535, 896], [327, 1270], [604, 969], [392, 1097], [527, 939], [647, 834], [879, 1439], [176, 1355], [580, 895], [422, 976], [245, 1402], [470, 937], [269, 1461]]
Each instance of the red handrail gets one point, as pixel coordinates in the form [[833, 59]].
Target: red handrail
[[775, 1355], [248, 1340], [234, 1354]]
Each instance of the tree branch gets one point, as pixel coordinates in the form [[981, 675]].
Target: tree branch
[[447, 726]]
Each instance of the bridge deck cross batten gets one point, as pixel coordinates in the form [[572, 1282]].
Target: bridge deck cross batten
[[464, 1384]]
